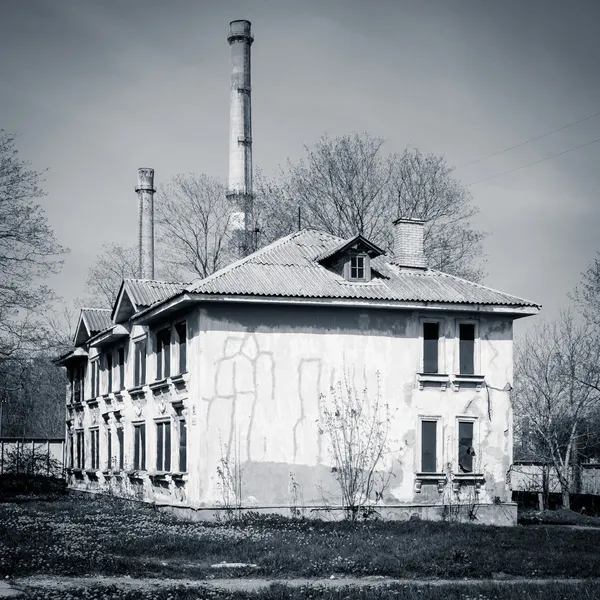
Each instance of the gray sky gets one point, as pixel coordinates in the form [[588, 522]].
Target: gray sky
[[100, 88]]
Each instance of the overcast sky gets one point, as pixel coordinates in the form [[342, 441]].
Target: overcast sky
[[100, 88]]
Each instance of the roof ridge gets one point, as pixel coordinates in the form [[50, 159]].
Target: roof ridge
[[137, 279], [242, 261], [93, 308]]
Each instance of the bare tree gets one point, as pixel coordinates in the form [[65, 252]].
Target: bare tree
[[348, 185], [587, 293], [356, 427], [29, 253], [557, 388], [194, 224]]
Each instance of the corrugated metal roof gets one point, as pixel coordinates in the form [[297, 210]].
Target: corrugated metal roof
[[146, 292], [289, 268], [97, 319]]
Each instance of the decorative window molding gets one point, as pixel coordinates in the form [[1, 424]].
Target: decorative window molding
[[467, 359], [429, 456]]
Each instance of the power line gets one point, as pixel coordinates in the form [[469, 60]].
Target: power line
[[537, 162], [539, 137]]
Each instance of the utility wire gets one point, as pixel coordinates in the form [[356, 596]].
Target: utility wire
[[537, 162], [539, 137]]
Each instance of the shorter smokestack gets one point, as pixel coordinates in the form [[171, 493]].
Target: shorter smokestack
[[145, 191], [408, 243]]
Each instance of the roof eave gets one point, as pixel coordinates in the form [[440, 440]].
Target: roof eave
[[73, 355], [108, 336], [190, 298], [162, 309]]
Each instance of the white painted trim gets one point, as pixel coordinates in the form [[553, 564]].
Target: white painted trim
[[439, 443]]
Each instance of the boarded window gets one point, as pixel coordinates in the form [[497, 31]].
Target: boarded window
[[139, 371], [467, 349], [182, 446], [181, 330], [466, 451], [431, 335], [121, 359], [163, 446], [163, 353], [428, 446], [139, 447]]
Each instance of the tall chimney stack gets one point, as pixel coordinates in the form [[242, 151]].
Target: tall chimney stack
[[408, 243], [240, 136], [145, 191]]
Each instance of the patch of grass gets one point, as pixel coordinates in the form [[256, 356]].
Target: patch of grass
[[586, 591], [97, 535]]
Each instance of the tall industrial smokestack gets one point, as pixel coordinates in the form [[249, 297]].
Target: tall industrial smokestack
[[240, 135], [145, 191]]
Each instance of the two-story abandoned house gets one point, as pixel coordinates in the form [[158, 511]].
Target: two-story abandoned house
[[180, 380]]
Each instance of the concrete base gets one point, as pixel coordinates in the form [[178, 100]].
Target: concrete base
[[503, 515]]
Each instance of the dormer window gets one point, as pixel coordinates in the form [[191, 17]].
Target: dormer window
[[358, 267]]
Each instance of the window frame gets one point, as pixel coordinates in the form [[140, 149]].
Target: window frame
[[182, 465], [476, 347], [164, 450], [121, 366], [140, 358], [109, 365], [365, 266], [182, 365], [120, 430], [439, 444], [80, 448], [95, 377], [163, 338], [139, 446], [475, 444], [95, 448]]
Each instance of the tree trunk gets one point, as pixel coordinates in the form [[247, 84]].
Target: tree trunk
[[566, 500]]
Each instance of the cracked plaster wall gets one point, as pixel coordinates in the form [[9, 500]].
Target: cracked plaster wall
[[258, 372]]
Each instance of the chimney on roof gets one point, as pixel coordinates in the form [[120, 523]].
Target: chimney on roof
[[408, 243], [239, 190], [145, 191]]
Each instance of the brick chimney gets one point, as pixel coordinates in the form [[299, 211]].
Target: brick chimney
[[408, 243]]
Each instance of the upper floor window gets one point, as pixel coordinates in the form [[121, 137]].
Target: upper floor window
[[431, 338], [163, 353], [121, 363], [467, 348], [139, 368], [358, 267], [77, 381], [181, 331], [109, 374], [95, 390]]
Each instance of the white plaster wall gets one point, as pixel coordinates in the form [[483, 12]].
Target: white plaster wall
[[259, 372]]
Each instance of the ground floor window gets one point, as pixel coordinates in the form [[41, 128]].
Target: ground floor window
[[139, 447], [429, 446], [182, 446], [163, 446], [95, 435], [80, 441], [108, 447], [121, 450], [71, 453], [466, 450]]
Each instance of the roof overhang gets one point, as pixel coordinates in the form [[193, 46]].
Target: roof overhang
[[109, 336], [156, 312], [73, 356], [124, 305], [355, 243]]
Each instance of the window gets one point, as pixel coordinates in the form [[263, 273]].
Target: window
[[467, 348], [139, 372], [77, 381], [428, 446], [80, 440], [139, 447], [109, 367], [163, 446], [95, 391], [121, 446], [121, 363], [163, 353], [181, 331], [431, 336], [358, 268], [71, 453], [95, 448], [108, 447], [466, 452], [182, 446]]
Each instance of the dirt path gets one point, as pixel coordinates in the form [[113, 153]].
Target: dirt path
[[15, 587]]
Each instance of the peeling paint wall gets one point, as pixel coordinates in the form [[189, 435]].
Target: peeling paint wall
[[259, 372]]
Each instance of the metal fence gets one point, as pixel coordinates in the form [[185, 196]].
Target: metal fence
[[32, 456]]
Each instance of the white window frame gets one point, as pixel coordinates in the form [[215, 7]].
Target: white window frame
[[476, 346], [439, 444], [441, 344], [477, 467]]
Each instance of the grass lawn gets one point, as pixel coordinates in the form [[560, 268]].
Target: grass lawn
[[79, 535]]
